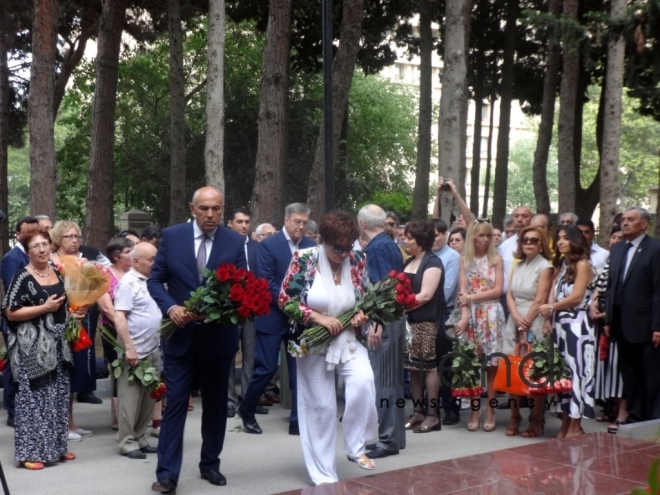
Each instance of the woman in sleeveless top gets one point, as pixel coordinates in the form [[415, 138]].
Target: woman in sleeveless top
[[480, 287], [567, 316]]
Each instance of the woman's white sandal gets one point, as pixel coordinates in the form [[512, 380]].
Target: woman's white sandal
[[363, 461]]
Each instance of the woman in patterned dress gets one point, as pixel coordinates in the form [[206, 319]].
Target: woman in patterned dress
[[480, 287], [567, 315], [35, 307]]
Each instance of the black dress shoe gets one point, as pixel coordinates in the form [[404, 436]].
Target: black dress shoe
[[379, 453], [250, 424], [294, 429], [261, 410], [451, 418], [10, 421], [136, 454], [370, 446], [90, 398], [215, 478], [148, 449], [231, 411], [164, 486]]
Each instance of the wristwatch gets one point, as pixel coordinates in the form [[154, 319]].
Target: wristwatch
[[552, 310]]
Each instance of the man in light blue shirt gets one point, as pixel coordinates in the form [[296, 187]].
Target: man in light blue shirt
[[443, 345]]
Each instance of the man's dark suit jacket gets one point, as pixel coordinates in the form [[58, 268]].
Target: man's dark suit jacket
[[253, 254], [176, 266], [14, 260], [274, 259], [640, 299]]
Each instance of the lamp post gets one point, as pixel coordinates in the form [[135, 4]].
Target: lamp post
[[327, 106]]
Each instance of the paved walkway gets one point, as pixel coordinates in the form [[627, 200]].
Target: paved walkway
[[254, 464]]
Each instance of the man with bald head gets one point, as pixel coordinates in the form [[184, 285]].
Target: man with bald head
[[137, 319], [384, 344], [197, 348], [521, 218], [542, 221]]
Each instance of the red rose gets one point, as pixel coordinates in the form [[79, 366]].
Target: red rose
[[222, 274], [402, 277], [401, 299], [236, 276], [393, 274], [244, 312], [407, 282], [236, 293], [3, 365], [411, 301], [399, 289]]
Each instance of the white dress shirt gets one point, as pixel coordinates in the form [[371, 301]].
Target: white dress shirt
[[598, 256], [198, 240], [506, 250], [293, 246]]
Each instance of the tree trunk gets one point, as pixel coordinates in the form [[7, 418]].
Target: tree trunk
[[451, 145], [506, 95], [215, 98], [4, 125], [566, 133], [73, 56], [178, 197], [544, 140], [489, 156], [609, 163], [476, 148], [343, 68], [420, 205], [43, 164], [99, 220], [462, 168], [270, 169]]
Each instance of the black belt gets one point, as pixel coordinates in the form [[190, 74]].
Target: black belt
[[450, 308]]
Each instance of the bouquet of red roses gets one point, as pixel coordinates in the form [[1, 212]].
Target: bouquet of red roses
[[466, 369], [383, 302], [143, 372], [550, 373], [3, 359], [229, 295]]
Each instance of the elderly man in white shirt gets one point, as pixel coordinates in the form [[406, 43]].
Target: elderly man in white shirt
[[137, 319], [598, 255]]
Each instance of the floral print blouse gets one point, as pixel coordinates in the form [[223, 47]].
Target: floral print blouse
[[297, 284]]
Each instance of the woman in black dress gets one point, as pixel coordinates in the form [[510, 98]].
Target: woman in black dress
[[36, 311]]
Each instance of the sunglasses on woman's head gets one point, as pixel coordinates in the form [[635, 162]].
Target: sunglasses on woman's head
[[531, 240], [482, 220]]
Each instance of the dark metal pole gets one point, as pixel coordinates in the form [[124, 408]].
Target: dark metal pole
[[327, 107]]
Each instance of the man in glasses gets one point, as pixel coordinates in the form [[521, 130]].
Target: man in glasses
[[273, 259], [384, 344], [15, 259]]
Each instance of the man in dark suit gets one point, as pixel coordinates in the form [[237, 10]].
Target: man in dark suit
[[239, 220], [272, 330], [633, 314], [207, 349], [12, 261]]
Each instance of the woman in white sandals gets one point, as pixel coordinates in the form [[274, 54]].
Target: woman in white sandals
[[323, 283]]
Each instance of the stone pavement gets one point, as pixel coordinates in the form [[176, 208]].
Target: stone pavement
[[254, 464]]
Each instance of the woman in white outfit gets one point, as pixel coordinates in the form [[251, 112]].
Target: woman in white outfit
[[323, 283]]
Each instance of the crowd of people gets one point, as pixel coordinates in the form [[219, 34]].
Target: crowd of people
[[499, 289]]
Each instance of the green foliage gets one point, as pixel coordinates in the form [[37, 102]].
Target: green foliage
[[19, 184], [654, 485]]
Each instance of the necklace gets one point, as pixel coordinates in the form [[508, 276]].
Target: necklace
[[41, 274], [334, 274]]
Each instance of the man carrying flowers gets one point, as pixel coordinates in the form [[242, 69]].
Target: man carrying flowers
[[137, 319]]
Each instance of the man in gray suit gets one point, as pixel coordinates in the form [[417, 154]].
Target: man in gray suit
[[383, 256]]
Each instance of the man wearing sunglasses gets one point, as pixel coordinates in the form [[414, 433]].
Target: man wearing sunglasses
[[273, 259]]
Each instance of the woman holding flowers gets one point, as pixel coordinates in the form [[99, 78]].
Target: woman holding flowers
[[322, 283], [567, 317], [426, 274], [480, 287], [41, 358], [529, 287]]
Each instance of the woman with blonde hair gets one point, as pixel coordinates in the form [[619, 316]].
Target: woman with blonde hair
[[480, 287], [529, 287]]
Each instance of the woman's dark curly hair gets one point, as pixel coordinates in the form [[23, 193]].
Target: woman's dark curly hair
[[423, 232], [338, 225], [580, 250]]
